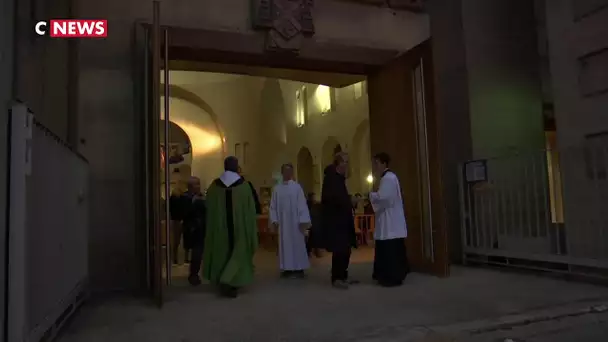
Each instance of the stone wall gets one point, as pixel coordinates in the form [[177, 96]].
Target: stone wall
[[578, 51], [578, 43], [6, 93]]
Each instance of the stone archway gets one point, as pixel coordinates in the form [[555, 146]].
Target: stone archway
[[178, 92], [305, 169], [206, 140], [180, 150]]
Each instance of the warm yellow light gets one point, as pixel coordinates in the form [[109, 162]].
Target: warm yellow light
[[370, 178], [301, 107], [323, 98], [358, 88], [203, 142]]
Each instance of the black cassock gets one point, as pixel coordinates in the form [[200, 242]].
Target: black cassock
[[390, 257], [390, 262]]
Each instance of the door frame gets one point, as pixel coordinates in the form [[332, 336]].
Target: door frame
[[148, 42], [440, 266]]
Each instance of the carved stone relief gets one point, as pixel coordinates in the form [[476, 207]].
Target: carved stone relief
[[288, 22]]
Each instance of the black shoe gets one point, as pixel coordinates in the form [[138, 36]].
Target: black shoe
[[228, 291], [286, 274], [194, 280], [298, 275], [352, 282], [390, 283], [340, 284]]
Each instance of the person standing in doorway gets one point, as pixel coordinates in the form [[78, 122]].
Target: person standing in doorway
[[338, 220], [290, 217], [390, 257], [232, 238], [194, 223]]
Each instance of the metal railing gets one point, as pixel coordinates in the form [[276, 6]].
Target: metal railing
[[545, 210], [48, 249], [365, 226]]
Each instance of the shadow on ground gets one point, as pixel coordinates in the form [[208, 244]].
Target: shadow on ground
[[310, 310]]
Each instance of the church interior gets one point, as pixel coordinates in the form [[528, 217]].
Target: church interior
[[266, 122]]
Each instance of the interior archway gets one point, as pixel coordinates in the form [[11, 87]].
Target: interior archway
[[305, 169], [205, 139], [178, 92], [179, 153]]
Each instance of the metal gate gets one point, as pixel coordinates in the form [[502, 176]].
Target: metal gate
[[544, 210], [48, 230]]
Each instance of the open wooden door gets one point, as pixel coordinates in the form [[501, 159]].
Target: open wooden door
[[403, 123], [148, 57]]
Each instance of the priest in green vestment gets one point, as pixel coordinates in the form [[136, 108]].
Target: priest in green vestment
[[232, 238]]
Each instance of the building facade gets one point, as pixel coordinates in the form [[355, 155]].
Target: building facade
[[489, 85]]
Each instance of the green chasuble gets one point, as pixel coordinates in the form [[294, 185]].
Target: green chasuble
[[232, 237]]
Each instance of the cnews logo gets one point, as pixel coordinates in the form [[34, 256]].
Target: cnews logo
[[73, 28]]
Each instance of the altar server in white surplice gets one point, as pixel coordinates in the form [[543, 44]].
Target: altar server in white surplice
[[290, 217], [390, 257]]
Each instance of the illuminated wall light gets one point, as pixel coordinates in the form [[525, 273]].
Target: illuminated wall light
[[203, 141], [301, 107], [358, 90], [323, 99], [370, 179]]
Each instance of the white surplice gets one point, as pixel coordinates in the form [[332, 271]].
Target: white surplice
[[288, 208], [388, 208]]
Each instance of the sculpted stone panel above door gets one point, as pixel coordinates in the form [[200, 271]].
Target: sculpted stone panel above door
[[288, 22], [409, 5]]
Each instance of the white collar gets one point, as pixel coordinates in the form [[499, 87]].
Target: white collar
[[229, 178]]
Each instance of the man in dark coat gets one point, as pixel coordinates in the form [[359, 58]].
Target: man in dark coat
[[178, 204], [194, 217], [338, 221]]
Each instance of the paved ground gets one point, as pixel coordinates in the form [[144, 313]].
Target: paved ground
[[584, 328], [425, 309]]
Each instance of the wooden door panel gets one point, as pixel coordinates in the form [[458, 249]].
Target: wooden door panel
[[440, 265], [393, 129]]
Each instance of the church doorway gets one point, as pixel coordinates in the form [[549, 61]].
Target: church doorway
[[265, 122], [268, 111]]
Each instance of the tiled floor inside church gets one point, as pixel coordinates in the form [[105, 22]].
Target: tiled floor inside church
[[276, 309]]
